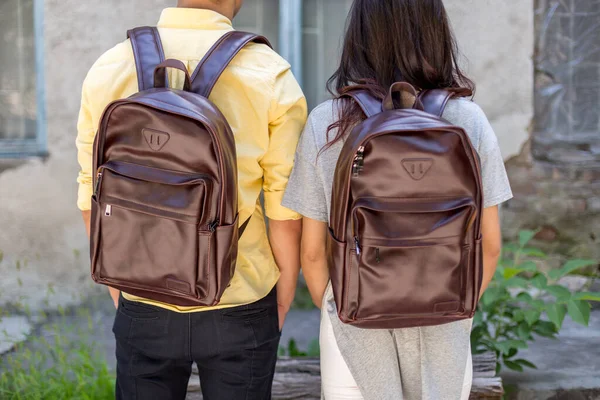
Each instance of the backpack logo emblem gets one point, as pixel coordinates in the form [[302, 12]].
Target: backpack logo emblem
[[417, 167], [156, 139]]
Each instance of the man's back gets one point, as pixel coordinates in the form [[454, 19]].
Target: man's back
[[264, 107]]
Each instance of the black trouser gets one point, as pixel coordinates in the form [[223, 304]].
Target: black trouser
[[235, 350]]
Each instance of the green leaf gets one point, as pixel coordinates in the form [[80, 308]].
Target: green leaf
[[589, 296], [510, 248], [525, 363], [513, 365], [579, 311], [525, 297], [556, 314], [560, 292], [532, 316], [510, 272], [525, 237], [524, 331], [546, 329], [569, 267], [513, 352], [517, 281], [539, 281], [533, 252], [528, 266], [519, 316], [506, 346]]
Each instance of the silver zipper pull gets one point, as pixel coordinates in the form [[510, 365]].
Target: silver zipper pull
[[108, 210], [357, 243], [359, 161], [98, 180]]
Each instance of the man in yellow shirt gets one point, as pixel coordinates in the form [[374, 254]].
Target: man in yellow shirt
[[235, 343]]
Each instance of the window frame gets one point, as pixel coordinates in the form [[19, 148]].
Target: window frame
[[21, 148]]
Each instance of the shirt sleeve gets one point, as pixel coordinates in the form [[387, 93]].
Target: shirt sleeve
[[496, 186], [86, 132], [305, 192], [287, 117]]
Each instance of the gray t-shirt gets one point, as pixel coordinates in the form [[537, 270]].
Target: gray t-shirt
[[426, 363], [309, 188]]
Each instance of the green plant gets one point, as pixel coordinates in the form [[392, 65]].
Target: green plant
[[522, 301], [292, 349]]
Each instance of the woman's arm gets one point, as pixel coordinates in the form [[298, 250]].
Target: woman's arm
[[314, 258], [492, 245]]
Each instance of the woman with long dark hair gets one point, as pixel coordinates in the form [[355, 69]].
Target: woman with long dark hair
[[389, 41]]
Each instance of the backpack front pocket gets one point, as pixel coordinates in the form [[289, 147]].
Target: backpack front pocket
[[411, 257], [151, 223]]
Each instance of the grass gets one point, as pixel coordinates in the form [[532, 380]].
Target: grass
[[64, 367]]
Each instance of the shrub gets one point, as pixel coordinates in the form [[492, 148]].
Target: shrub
[[523, 302]]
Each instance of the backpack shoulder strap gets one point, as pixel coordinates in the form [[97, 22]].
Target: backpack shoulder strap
[[218, 58], [368, 103], [148, 53], [435, 100]]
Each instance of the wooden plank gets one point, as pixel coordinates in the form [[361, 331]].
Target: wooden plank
[[300, 378]]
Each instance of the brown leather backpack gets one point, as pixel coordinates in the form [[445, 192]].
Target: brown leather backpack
[[405, 231], [164, 210]]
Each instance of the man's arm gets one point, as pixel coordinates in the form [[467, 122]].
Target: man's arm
[[492, 245], [285, 243]]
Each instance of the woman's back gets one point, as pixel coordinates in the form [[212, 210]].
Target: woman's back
[[312, 150]]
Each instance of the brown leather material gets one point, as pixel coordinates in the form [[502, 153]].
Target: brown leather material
[[164, 210], [148, 53], [408, 97], [369, 104], [404, 246], [434, 100], [218, 57], [160, 74]]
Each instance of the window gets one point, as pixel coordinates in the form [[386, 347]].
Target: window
[[567, 123], [21, 67]]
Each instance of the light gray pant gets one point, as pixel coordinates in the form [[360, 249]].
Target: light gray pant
[[429, 363]]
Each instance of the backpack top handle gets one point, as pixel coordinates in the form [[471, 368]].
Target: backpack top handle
[[147, 52], [160, 74], [218, 58]]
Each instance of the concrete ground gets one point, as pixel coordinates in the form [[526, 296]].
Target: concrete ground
[[568, 368]]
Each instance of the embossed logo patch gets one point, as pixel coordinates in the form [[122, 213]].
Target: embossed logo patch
[[417, 167], [156, 139]]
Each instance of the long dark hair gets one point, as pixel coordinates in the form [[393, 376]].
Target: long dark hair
[[387, 41]]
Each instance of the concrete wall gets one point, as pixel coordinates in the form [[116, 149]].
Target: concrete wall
[[41, 227]]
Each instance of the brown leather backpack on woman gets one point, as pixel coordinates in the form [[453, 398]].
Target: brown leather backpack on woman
[[164, 210], [405, 231]]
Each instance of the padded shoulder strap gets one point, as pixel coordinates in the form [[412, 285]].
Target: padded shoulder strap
[[148, 53], [368, 103], [435, 100], [218, 58]]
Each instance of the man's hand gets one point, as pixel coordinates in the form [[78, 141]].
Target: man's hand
[[87, 217], [285, 243]]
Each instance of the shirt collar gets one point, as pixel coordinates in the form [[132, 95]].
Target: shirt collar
[[193, 18]]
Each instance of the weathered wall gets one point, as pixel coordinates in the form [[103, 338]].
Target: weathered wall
[[41, 226], [557, 184], [497, 40]]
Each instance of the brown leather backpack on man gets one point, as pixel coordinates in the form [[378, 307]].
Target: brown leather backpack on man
[[405, 231], [164, 210]]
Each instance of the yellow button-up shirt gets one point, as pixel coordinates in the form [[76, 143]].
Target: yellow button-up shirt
[[262, 102]]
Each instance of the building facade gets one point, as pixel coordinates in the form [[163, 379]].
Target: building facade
[[47, 46]]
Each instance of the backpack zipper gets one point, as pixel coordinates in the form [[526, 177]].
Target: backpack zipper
[[98, 180], [359, 161], [357, 243]]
